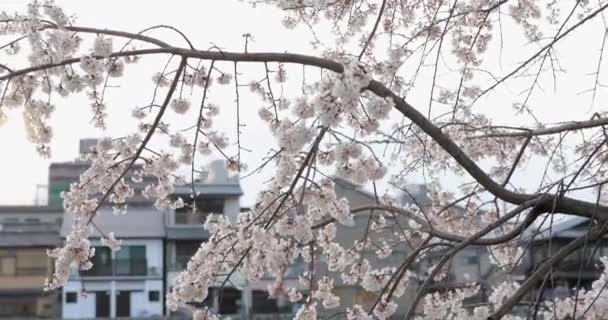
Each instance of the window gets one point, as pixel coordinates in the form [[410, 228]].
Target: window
[[55, 190], [7, 262], [131, 260], [184, 250], [153, 296], [71, 297], [262, 303], [470, 257], [204, 207], [230, 301], [102, 263], [538, 254], [31, 262]]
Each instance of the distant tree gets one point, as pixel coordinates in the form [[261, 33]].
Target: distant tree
[[354, 119]]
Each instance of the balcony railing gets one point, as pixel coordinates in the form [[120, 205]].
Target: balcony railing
[[120, 267], [179, 264], [14, 227]]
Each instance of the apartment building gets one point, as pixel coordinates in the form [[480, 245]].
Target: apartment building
[[26, 232], [125, 283], [219, 194]]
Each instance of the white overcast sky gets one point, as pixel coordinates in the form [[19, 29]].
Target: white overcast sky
[[222, 23], [207, 23]]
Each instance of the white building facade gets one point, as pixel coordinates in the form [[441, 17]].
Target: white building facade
[[219, 194], [125, 283]]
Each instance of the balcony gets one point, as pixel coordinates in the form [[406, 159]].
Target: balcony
[[121, 268], [179, 264], [17, 227]]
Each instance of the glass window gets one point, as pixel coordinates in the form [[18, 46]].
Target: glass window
[[184, 250], [230, 301], [131, 260], [153, 296], [71, 297], [55, 190], [204, 206], [470, 257], [471, 260], [32, 262], [7, 265], [261, 303], [102, 263]]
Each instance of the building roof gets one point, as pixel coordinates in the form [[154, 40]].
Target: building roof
[[210, 189], [11, 209], [349, 185], [139, 222], [567, 228]]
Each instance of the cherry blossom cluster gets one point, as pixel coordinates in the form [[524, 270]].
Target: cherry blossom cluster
[[109, 160]]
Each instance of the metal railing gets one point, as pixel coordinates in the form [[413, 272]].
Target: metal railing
[[119, 267], [15, 227], [179, 264]]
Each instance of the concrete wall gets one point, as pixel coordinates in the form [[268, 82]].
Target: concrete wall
[[232, 207], [141, 306], [84, 307], [138, 285]]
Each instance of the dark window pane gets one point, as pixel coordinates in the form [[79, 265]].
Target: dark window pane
[[204, 207], [184, 250], [131, 260], [102, 263], [71, 297], [228, 300], [262, 304], [154, 296]]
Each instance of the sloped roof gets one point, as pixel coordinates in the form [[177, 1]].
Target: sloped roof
[[139, 222], [346, 184], [565, 228]]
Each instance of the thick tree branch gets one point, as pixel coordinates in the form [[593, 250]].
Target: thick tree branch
[[569, 126], [563, 204]]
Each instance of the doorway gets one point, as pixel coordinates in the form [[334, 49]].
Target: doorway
[[123, 304], [102, 304]]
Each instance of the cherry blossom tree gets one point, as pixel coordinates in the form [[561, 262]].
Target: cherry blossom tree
[[355, 118]]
